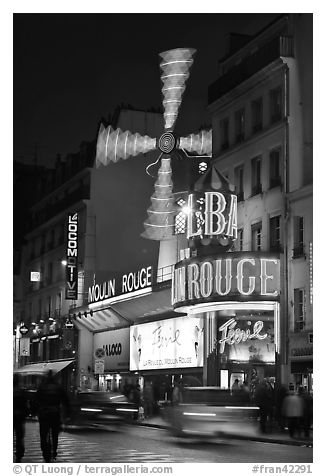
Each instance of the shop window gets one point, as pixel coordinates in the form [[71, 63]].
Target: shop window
[[274, 168], [298, 237], [256, 176], [275, 233], [299, 310], [239, 122], [275, 101], [224, 126], [238, 179], [256, 236], [257, 115]]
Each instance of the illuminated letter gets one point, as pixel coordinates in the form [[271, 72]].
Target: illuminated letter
[[124, 283], [193, 285], [232, 221], [179, 285], [206, 279], [149, 275], [218, 276], [240, 277], [192, 218], [264, 276], [218, 212]]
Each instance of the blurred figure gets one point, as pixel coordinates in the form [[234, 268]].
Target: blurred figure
[[264, 399], [292, 410], [20, 412], [177, 392], [307, 410], [50, 398], [148, 398], [279, 395], [135, 397], [235, 385]]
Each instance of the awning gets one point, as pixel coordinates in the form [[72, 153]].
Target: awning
[[43, 367]]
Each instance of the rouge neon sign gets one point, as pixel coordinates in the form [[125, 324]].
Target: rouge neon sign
[[227, 277]]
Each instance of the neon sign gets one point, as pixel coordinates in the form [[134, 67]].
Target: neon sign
[[225, 277], [233, 335], [128, 283], [72, 257], [212, 214]]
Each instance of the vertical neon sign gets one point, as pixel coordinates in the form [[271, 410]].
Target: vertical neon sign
[[72, 257]]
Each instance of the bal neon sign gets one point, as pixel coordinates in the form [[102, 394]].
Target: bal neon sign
[[212, 214], [226, 277]]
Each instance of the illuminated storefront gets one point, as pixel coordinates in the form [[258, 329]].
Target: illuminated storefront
[[111, 358], [162, 350], [237, 296]]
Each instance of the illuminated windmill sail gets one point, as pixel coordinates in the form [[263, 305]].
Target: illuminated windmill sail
[[113, 145]]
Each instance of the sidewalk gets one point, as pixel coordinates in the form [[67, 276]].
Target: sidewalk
[[273, 437]]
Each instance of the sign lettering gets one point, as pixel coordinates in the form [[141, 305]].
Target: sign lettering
[[237, 276], [72, 257]]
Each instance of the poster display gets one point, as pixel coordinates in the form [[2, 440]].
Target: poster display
[[168, 344]]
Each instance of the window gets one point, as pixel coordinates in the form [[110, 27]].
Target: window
[[275, 100], [180, 219], [274, 168], [239, 121], [238, 179], [299, 310], [50, 273], [224, 125], [275, 233], [48, 306], [256, 175], [298, 237], [257, 115], [256, 235], [240, 239], [51, 240], [180, 223]]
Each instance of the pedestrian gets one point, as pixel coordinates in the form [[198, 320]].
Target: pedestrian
[[20, 412], [177, 392], [51, 399], [292, 409], [148, 397], [307, 410], [264, 398], [279, 396], [235, 385]]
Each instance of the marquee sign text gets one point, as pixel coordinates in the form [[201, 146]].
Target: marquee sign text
[[129, 282], [226, 277]]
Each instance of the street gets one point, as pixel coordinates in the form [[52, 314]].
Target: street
[[135, 444]]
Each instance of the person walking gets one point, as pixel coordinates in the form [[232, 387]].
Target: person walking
[[264, 399], [293, 408], [148, 398], [50, 398], [20, 412]]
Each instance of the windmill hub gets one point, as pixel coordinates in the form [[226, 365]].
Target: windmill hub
[[167, 142]]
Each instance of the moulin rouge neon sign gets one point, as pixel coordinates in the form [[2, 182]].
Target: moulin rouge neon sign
[[234, 335], [226, 277]]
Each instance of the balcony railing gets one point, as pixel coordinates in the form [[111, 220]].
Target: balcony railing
[[280, 46]]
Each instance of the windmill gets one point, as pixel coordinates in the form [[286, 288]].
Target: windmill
[[113, 145]]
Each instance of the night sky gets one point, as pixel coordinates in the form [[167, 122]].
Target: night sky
[[70, 70]]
